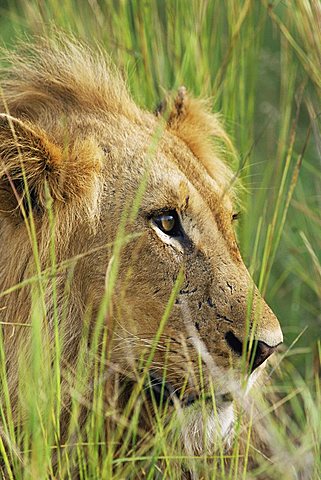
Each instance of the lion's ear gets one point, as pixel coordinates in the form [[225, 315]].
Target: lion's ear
[[172, 109], [29, 164], [192, 120]]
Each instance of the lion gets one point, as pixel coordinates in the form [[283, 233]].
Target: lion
[[141, 201]]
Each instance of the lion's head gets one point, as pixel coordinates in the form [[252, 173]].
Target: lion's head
[[143, 201]]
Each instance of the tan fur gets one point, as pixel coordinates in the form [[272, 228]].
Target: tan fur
[[69, 123]]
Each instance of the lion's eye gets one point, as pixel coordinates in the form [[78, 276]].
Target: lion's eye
[[168, 222]]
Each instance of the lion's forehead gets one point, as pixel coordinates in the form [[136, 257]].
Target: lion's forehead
[[165, 155], [174, 172]]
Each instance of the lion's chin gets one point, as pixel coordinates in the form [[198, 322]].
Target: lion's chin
[[203, 430]]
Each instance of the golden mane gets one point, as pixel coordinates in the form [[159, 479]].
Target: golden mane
[[62, 74]]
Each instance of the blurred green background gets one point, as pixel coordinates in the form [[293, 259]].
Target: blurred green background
[[260, 63]]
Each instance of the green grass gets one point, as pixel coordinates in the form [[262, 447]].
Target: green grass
[[260, 63]]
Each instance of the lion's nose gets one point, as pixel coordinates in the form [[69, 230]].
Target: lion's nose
[[260, 351]]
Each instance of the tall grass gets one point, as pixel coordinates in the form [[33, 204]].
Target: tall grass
[[259, 62]]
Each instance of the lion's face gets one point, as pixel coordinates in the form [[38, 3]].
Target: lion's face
[[102, 163]]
